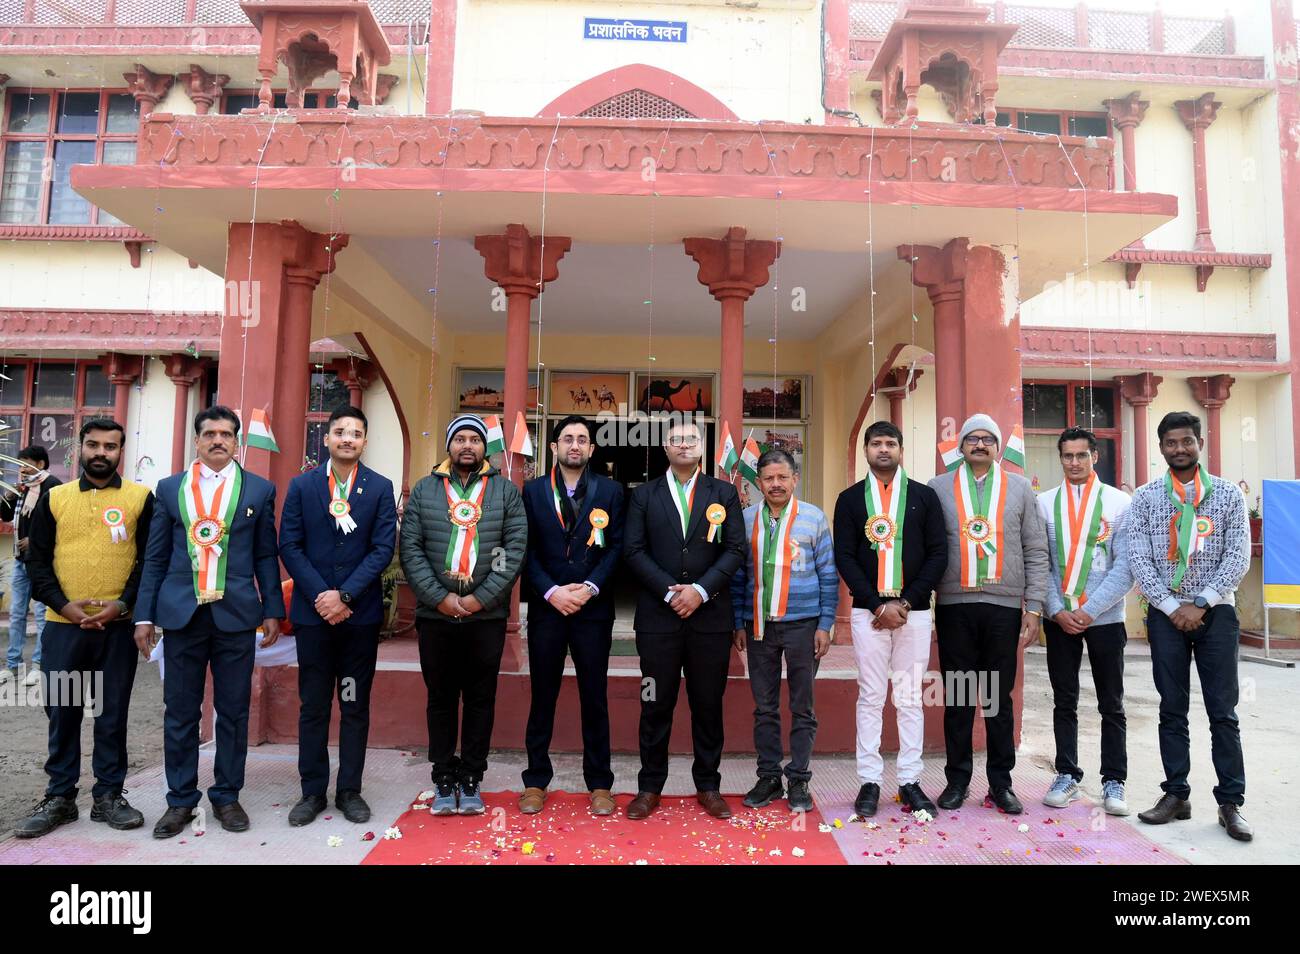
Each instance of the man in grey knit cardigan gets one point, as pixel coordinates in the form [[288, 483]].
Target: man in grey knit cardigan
[[989, 606]]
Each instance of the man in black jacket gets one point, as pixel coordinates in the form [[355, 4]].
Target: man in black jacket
[[34, 482], [575, 535], [891, 550], [685, 539]]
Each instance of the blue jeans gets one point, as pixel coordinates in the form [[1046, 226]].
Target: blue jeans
[[18, 602]]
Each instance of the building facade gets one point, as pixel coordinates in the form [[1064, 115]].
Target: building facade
[[790, 217]]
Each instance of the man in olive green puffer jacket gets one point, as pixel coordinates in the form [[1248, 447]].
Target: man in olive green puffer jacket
[[464, 535]]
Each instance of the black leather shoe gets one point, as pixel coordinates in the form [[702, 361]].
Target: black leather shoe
[[305, 812], [915, 799], [173, 822], [800, 799], [765, 790], [51, 812], [114, 809], [1230, 818], [353, 807], [867, 801], [232, 816], [1005, 801], [952, 797], [1169, 808]]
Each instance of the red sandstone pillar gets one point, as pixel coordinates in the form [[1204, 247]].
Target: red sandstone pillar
[[1197, 114], [732, 268], [205, 88], [1139, 390], [942, 273], [1126, 114], [897, 388], [147, 87], [520, 264], [184, 371], [1212, 393], [122, 372]]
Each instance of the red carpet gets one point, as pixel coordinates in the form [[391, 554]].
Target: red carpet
[[565, 832]]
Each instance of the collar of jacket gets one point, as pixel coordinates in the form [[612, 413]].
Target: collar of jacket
[[445, 470]]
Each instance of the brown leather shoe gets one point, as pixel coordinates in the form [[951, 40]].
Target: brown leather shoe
[[1230, 818], [643, 805], [532, 800], [1169, 808], [714, 804], [602, 802]]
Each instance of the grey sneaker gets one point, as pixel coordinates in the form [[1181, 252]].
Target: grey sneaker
[[1112, 792], [444, 798], [1063, 791], [471, 802]]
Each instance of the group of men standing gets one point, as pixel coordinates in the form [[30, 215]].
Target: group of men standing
[[200, 559]]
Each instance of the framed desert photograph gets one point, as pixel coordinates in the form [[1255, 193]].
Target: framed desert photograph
[[680, 393], [787, 438], [484, 391], [588, 392], [779, 399]]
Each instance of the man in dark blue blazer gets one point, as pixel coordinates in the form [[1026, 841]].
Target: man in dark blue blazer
[[337, 536], [211, 537], [575, 536]]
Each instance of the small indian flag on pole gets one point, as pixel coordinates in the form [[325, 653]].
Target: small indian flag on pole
[[258, 433], [950, 454], [522, 442], [727, 459], [1015, 452], [496, 440], [749, 461]]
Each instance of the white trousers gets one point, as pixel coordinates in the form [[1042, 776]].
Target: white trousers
[[901, 657]]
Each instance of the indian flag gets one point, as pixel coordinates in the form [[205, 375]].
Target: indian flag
[[522, 443], [258, 433], [749, 461], [727, 459], [950, 454], [1015, 452], [496, 441]]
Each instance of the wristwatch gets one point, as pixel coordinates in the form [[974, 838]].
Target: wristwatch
[[1201, 603], [346, 597], [907, 607]]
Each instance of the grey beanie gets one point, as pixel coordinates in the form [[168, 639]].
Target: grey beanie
[[980, 422], [466, 421]]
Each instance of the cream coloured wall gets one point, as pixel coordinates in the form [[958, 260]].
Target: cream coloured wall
[[761, 58], [149, 425]]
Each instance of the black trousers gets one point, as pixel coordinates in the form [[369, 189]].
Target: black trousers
[[796, 640], [187, 654], [334, 659], [1214, 647], [978, 655], [1106, 657], [704, 657], [76, 660], [588, 641], [460, 662]]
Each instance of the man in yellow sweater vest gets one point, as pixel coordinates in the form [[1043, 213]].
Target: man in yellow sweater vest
[[85, 563]]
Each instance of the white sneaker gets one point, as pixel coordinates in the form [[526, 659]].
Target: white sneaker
[[1063, 791], [1113, 797], [33, 676], [6, 676]]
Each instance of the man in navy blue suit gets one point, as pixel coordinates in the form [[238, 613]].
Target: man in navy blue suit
[[211, 537], [338, 531], [575, 532]]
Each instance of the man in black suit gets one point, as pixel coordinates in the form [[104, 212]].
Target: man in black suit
[[685, 539], [337, 536], [575, 534], [211, 537]]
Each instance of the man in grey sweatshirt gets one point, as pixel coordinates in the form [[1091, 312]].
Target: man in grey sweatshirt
[[989, 606]]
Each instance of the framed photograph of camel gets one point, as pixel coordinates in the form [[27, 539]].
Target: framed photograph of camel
[[483, 391], [588, 392], [669, 392]]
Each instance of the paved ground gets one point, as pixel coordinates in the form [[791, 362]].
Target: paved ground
[[1270, 700]]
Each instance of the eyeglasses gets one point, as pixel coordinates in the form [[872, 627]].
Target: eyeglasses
[[684, 441], [973, 441]]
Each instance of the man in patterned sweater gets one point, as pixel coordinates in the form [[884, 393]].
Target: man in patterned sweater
[[1189, 547]]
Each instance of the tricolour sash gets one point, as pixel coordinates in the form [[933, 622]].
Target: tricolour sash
[[1188, 533], [979, 524], [772, 557], [1078, 530], [340, 509], [464, 509], [206, 527], [886, 509]]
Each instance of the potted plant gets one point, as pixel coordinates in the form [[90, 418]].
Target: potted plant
[[1256, 523]]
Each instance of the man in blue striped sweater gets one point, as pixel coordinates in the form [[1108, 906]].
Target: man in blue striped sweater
[[1088, 562], [784, 598]]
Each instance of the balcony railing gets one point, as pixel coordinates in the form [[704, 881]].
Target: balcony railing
[[172, 12], [1077, 28]]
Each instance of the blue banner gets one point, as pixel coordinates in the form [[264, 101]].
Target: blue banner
[[1281, 512], [659, 31]]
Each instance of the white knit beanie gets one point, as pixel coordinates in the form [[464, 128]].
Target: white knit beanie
[[980, 422]]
